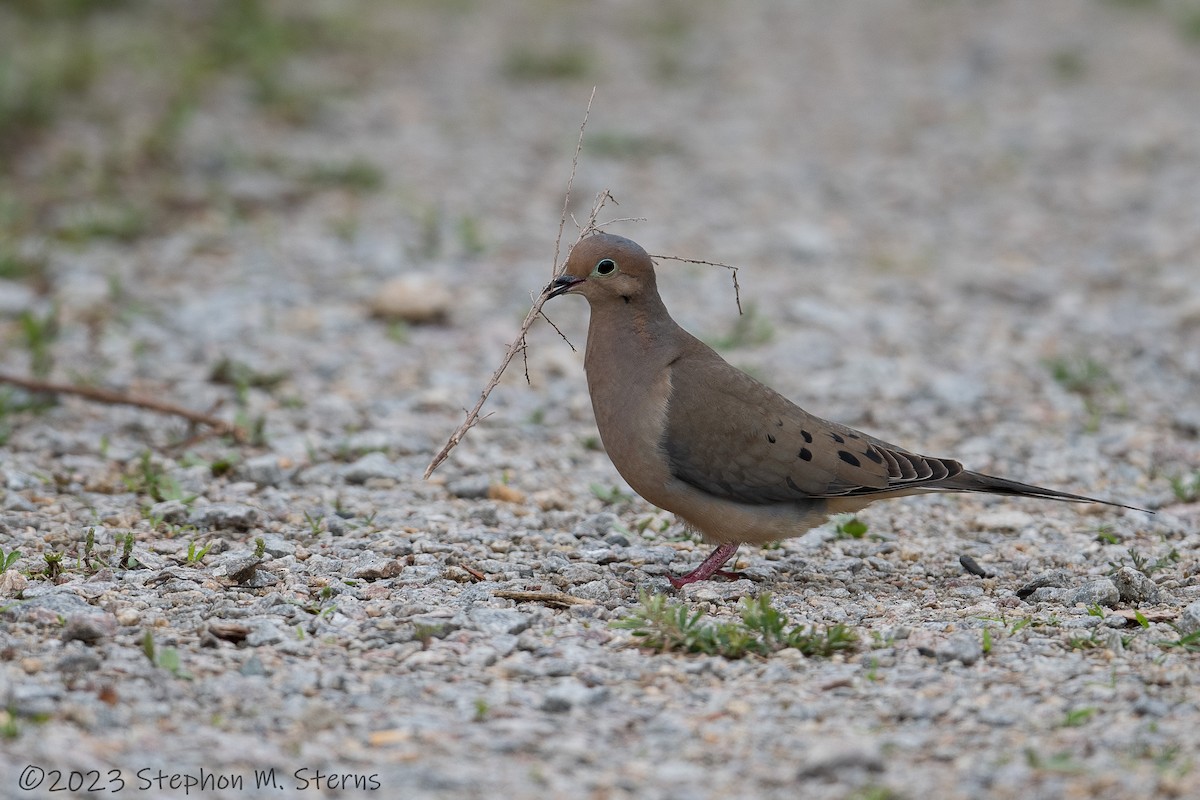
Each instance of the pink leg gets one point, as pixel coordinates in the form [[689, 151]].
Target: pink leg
[[710, 567]]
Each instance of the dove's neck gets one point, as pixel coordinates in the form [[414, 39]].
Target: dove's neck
[[630, 348], [632, 338]]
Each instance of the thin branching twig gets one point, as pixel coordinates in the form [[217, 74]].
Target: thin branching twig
[[519, 344], [737, 292]]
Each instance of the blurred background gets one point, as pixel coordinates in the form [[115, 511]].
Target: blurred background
[[184, 185], [971, 227]]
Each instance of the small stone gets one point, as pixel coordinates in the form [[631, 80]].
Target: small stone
[[253, 666], [472, 487], [416, 297], [47, 608], [972, 566], [276, 546], [12, 583], [433, 626], [15, 298], [127, 617], [1054, 578], [1004, 520], [1189, 620], [498, 621], [372, 568], [596, 526], [261, 470], [1098, 592], [229, 631], [225, 516], [17, 502], [78, 664], [572, 693], [264, 632], [617, 539], [1048, 594], [505, 493], [89, 628], [238, 567], [173, 512], [833, 759], [964, 647], [372, 466], [1136, 587]]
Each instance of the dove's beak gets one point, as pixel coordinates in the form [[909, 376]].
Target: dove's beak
[[562, 284]]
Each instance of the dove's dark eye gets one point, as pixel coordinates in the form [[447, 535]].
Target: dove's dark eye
[[605, 266]]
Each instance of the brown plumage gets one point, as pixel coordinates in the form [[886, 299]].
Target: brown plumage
[[731, 457]]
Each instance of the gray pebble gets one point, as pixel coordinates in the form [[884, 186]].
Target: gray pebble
[[264, 632], [173, 511], [1135, 587], [571, 693], [1052, 578], [1047, 594], [225, 516], [89, 627], [369, 467], [434, 625], [253, 666], [261, 470], [471, 487], [1189, 620], [1098, 592], [595, 526], [47, 605], [278, 547], [497, 621], [831, 760], [371, 567], [964, 647], [17, 502], [237, 567]]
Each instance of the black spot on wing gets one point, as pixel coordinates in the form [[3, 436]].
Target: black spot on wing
[[849, 458], [805, 454], [807, 436], [770, 438], [837, 438]]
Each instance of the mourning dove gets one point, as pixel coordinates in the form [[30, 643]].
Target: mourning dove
[[732, 458]]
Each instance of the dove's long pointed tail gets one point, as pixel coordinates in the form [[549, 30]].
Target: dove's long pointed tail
[[968, 481]]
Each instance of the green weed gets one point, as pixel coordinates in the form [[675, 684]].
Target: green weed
[[8, 559], [1186, 488], [667, 626], [612, 496], [568, 62], [852, 528], [39, 334], [355, 175]]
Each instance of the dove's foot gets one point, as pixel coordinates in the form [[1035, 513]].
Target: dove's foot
[[710, 567]]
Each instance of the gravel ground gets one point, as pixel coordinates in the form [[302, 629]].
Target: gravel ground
[[970, 228]]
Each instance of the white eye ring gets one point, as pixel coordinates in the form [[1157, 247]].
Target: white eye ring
[[605, 266]]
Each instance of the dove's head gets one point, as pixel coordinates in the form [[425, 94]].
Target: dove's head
[[606, 268]]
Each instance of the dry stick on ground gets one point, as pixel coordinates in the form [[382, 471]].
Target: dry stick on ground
[[549, 598], [219, 426]]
